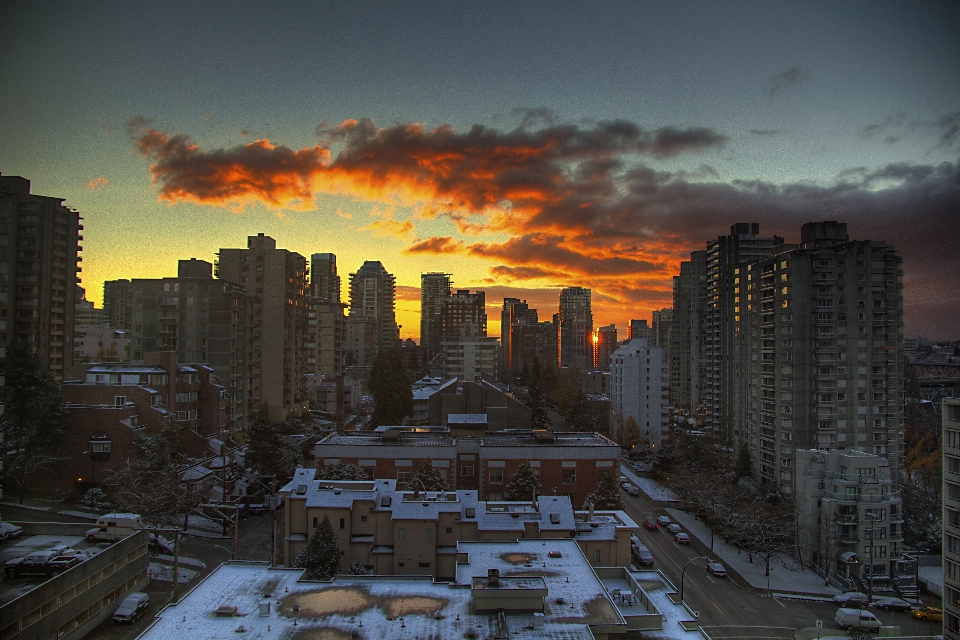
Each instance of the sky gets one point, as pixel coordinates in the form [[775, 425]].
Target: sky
[[520, 147]]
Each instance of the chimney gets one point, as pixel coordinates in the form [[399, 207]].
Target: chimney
[[493, 577]]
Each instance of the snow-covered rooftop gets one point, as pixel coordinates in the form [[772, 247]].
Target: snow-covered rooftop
[[263, 602]]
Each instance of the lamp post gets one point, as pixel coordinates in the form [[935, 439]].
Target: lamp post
[[684, 572]]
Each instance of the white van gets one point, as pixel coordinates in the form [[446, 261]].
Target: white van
[[847, 618], [115, 526]]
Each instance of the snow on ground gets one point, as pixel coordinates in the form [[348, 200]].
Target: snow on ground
[[786, 576], [164, 573]]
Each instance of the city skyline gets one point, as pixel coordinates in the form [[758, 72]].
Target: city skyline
[[522, 149]]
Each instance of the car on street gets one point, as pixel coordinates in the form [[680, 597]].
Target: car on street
[[663, 521], [641, 554], [651, 526], [928, 613], [681, 538], [889, 603], [624, 480], [717, 569], [851, 598], [673, 528], [847, 617], [132, 607], [632, 490]]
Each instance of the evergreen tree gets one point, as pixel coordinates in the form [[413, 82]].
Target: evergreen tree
[[270, 451], [357, 568], [391, 389], [428, 478], [607, 494], [524, 483], [32, 423], [321, 556], [538, 410], [342, 471], [744, 466]]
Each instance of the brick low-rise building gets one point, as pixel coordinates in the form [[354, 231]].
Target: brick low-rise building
[[568, 464], [395, 532]]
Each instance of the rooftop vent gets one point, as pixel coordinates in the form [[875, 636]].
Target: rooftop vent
[[225, 611], [301, 489], [471, 512], [554, 518]]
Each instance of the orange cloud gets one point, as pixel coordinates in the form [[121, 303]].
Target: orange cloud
[[96, 183]]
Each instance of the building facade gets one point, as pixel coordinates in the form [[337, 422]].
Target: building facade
[[201, 320], [576, 328], [39, 272], [639, 389], [568, 464], [275, 308], [686, 341], [324, 281], [818, 352], [604, 344], [373, 295], [118, 304], [850, 519], [434, 289], [463, 314], [951, 518]]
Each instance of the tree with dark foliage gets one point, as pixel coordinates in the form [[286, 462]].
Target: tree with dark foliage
[[607, 494], [391, 389], [32, 423], [321, 556], [524, 483]]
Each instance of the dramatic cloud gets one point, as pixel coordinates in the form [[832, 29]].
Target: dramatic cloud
[[572, 204], [786, 79], [97, 183]]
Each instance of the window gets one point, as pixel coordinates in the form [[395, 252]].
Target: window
[[496, 476], [363, 518], [428, 534], [403, 477], [466, 470], [314, 523], [119, 401], [448, 530], [400, 564], [343, 524], [569, 476], [99, 446], [402, 535], [424, 565], [596, 556]]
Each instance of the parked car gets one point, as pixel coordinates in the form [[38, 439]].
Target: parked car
[[641, 554], [624, 480], [673, 528], [851, 598], [888, 603], [132, 607], [651, 526], [8, 530], [847, 618], [717, 569], [42, 563], [632, 490], [681, 538], [663, 521], [928, 613]]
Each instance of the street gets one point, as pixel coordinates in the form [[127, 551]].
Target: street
[[730, 607]]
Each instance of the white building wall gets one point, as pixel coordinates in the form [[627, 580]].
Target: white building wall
[[637, 377]]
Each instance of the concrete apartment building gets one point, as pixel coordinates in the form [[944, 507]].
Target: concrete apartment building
[[724, 256], [568, 464], [324, 281], [515, 312], [575, 328], [275, 283], [534, 343], [818, 352], [638, 329], [412, 532], [201, 319], [434, 290], [686, 343], [373, 295], [470, 356], [118, 304], [951, 518], [604, 344], [850, 520], [639, 389], [39, 256]]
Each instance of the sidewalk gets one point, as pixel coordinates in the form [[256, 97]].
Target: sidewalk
[[786, 577]]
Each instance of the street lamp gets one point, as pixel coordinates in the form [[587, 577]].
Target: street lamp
[[683, 573]]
